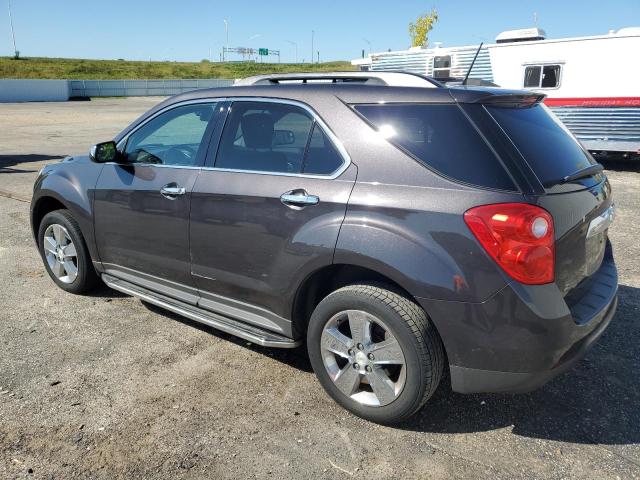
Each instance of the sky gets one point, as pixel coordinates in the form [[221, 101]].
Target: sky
[[193, 30]]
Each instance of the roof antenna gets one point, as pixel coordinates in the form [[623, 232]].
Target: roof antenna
[[466, 77]]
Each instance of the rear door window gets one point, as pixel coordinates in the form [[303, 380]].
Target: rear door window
[[441, 138], [322, 157], [544, 142], [264, 137]]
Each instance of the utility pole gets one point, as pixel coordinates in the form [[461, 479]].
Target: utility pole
[[226, 33], [318, 56], [13, 34], [312, 34]]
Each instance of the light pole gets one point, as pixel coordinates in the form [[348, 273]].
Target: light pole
[[226, 33], [296, 45], [13, 34], [368, 43]]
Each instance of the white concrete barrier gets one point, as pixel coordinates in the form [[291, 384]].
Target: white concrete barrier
[[34, 90]]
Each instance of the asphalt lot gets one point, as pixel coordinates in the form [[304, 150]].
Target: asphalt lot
[[102, 386]]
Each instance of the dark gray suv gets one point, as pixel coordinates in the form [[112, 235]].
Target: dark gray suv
[[398, 226]]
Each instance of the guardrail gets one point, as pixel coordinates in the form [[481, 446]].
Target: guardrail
[[141, 88], [61, 90]]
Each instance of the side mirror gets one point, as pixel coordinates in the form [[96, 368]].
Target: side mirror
[[104, 152]]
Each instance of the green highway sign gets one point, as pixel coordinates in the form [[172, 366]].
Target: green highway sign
[[263, 51]]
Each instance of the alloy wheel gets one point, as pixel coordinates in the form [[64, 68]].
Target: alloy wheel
[[363, 358], [60, 253]]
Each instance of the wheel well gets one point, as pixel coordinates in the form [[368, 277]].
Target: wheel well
[[329, 279], [43, 206]]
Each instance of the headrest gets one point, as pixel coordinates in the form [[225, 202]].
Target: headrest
[[257, 130]]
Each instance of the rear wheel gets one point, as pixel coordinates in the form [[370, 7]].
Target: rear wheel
[[375, 352], [64, 252]]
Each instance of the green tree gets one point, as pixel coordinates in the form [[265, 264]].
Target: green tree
[[419, 31]]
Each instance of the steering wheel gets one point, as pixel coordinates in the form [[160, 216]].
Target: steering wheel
[[180, 153]]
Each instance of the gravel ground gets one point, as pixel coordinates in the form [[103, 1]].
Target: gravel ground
[[104, 386]]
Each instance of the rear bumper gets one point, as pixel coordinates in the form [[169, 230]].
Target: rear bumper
[[523, 336], [472, 380]]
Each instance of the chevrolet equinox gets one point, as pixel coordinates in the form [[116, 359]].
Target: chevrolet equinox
[[397, 226]]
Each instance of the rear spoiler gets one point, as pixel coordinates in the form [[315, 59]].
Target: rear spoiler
[[498, 98]]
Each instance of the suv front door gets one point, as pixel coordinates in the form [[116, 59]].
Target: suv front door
[[266, 210], [142, 203]]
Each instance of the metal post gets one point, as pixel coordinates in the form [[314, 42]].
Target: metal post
[[13, 34], [226, 33]]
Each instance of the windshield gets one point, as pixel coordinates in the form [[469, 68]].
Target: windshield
[[548, 147]]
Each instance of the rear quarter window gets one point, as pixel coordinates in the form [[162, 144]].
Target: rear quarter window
[[441, 138], [545, 143]]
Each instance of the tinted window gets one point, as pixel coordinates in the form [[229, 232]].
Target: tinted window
[[532, 77], [322, 157], [543, 141], [265, 137], [550, 76], [441, 137], [171, 138]]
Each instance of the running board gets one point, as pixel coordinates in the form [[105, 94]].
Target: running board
[[219, 322]]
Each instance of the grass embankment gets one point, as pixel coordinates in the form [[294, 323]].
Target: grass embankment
[[66, 68]]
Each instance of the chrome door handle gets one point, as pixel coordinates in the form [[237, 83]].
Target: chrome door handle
[[301, 199], [171, 191]]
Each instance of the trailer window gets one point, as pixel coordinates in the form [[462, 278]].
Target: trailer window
[[442, 66], [542, 76], [532, 77], [550, 76]]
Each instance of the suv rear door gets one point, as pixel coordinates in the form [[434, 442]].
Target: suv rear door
[[266, 209]]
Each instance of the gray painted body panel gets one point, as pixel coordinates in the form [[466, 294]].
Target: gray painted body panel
[[246, 244], [138, 228], [71, 182]]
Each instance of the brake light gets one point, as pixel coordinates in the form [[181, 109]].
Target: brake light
[[519, 237]]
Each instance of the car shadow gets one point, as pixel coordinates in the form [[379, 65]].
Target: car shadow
[[8, 161], [596, 402], [293, 357]]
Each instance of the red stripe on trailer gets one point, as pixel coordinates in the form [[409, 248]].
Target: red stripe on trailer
[[593, 102]]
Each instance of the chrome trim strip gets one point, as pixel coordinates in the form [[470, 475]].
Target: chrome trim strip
[[332, 136], [601, 222]]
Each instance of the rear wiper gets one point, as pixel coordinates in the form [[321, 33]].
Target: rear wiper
[[582, 173]]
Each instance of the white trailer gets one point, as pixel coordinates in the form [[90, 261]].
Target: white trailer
[[592, 83]]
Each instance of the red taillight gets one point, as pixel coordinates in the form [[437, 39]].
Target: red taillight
[[519, 237]]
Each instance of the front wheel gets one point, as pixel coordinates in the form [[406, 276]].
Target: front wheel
[[375, 352], [64, 252]]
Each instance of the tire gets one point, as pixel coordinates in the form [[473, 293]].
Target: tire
[[403, 321], [85, 277]]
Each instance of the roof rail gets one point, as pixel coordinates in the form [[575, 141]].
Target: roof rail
[[389, 79]]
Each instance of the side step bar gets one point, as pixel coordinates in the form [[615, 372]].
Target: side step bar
[[227, 325]]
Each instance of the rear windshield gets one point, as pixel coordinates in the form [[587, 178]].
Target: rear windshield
[[549, 149], [442, 138]]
